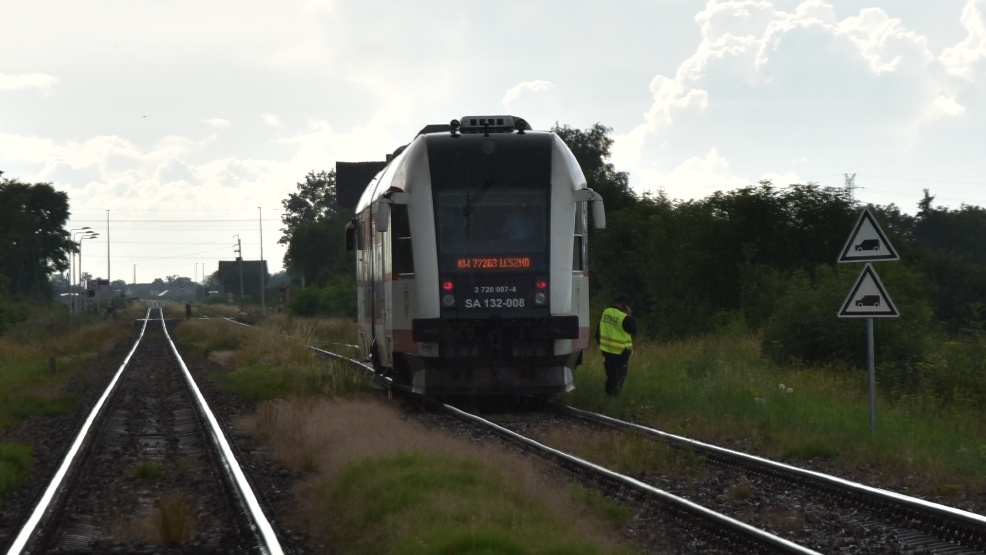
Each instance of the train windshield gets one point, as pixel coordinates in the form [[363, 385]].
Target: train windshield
[[491, 200], [492, 220]]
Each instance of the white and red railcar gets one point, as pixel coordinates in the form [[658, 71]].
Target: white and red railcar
[[471, 261]]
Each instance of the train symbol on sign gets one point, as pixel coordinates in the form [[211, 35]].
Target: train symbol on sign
[[868, 245]]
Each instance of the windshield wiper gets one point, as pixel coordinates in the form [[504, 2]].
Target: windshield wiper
[[472, 200]]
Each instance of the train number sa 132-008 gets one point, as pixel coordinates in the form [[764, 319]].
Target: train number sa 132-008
[[495, 302]]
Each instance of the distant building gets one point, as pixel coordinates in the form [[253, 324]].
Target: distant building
[[352, 178], [229, 277]]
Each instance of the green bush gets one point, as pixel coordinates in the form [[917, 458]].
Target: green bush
[[804, 324], [337, 299]]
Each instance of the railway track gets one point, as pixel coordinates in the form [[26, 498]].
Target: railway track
[[785, 509], [904, 524], [151, 468]]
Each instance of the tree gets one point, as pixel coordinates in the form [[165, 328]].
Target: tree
[[591, 148], [315, 200], [317, 250], [948, 246], [33, 240]]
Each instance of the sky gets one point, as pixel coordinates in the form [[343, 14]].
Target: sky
[[180, 126]]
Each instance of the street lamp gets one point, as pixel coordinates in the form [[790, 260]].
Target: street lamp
[[71, 260], [89, 235]]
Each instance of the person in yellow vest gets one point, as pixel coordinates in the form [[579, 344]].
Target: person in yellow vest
[[615, 337]]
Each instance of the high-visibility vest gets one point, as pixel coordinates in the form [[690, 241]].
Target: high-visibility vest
[[612, 337]]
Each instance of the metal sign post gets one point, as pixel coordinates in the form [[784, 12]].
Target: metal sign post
[[870, 358], [868, 298]]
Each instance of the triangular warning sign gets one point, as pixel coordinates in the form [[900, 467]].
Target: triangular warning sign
[[868, 298], [867, 243]]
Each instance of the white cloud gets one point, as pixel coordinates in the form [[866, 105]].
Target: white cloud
[[517, 91], [765, 83], [966, 59], [216, 122], [884, 42], [945, 104], [28, 149], [39, 81], [693, 177], [272, 120]]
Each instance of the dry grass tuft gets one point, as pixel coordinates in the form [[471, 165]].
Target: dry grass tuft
[[175, 523], [742, 490], [222, 358]]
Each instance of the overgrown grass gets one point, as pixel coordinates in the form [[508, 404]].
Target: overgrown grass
[[594, 501], [721, 389], [425, 504], [15, 461], [376, 470], [28, 386], [272, 359]]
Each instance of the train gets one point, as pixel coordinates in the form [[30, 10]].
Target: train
[[471, 249]]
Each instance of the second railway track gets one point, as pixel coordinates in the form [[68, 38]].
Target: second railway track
[[151, 472]]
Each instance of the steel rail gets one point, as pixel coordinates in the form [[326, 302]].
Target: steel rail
[[869, 492], [44, 504], [234, 472]]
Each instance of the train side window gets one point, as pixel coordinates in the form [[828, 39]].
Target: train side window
[[578, 260], [363, 234], [403, 256], [351, 235], [579, 248]]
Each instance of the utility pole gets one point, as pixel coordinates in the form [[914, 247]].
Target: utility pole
[[239, 260], [108, 279], [851, 185], [263, 302]]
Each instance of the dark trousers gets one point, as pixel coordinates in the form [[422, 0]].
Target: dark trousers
[[616, 370]]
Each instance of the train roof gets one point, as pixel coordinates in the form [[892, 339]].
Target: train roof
[[502, 127]]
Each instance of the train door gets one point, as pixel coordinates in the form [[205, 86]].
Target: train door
[[380, 268], [362, 241]]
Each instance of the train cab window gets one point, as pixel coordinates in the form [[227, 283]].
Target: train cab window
[[506, 220], [403, 256]]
